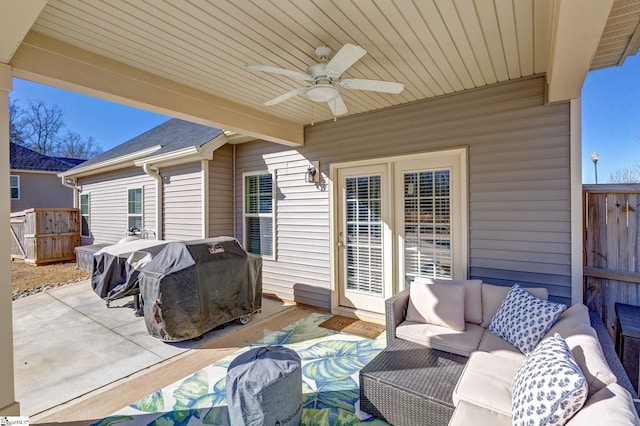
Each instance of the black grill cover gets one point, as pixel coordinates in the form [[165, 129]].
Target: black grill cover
[[192, 287], [116, 268]]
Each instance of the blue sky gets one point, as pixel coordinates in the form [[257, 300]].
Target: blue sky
[[109, 123], [610, 117]]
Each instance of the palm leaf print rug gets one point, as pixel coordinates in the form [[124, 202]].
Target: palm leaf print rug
[[331, 362]]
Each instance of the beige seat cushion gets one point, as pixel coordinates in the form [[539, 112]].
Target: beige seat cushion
[[438, 304], [493, 295], [467, 414], [442, 338], [472, 297], [611, 405], [498, 346], [574, 325], [486, 382]]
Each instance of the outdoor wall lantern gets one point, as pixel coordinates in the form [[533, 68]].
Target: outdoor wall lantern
[[312, 174]]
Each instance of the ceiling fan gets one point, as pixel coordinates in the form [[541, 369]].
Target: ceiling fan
[[325, 77]]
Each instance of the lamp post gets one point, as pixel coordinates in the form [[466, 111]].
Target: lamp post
[[595, 157]]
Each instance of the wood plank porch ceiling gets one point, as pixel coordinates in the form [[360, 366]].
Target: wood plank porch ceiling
[[434, 47]]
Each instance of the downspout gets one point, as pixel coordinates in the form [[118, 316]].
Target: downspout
[[73, 186], [233, 174], [154, 173]]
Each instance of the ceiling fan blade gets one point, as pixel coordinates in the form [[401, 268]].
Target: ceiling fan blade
[[337, 106], [347, 56], [372, 85], [286, 96], [281, 71]]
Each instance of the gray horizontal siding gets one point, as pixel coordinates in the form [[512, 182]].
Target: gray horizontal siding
[[108, 203], [519, 184], [41, 190], [221, 192], [182, 202]]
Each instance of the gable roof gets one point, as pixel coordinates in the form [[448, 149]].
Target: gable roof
[[172, 135], [22, 158]]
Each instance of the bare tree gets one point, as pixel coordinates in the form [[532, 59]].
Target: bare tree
[[40, 127], [72, 145], [626, 175], [43, 123], [16, 122]]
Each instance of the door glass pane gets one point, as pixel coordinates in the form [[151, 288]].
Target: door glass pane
[[364, 234], [427, 225]]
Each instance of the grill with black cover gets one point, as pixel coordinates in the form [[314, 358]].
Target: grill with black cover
[[192, 287]]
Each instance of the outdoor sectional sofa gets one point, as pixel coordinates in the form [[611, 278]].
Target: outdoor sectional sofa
[[464, 373]]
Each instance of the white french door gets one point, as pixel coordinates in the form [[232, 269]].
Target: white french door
[[363, 237], [430, 221], [397, 220]]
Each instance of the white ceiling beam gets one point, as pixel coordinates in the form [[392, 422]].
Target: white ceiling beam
[[575, 35], [48, 61], [16, 19]]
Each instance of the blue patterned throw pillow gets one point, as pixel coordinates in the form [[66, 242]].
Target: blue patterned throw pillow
[[549, 387], [524, 319]]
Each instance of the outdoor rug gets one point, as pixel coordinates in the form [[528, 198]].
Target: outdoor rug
[[331, 362], [354, 326]]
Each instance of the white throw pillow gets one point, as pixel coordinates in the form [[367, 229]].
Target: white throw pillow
[[438, 304], [493, 295], [549, 387], [523, 319]]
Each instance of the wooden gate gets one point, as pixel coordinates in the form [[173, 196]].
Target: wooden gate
[[611, 254], [45, 235]]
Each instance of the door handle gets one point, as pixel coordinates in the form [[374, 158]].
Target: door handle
[[340, 244]]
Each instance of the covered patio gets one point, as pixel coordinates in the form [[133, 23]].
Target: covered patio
[[78, 361], [486, 81]]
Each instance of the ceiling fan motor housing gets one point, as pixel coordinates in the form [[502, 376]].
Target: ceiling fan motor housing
[[322, 89]]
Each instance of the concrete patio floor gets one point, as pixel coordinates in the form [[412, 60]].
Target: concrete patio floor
[[69, 347]]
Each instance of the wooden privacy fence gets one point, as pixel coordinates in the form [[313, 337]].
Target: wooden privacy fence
[[45, 235], [611, 247]]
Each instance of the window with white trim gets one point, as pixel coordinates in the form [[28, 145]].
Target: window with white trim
[[84, 215], [259, 203], [134, 213], [14, 184]]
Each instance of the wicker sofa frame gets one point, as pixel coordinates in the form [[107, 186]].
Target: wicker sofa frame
[[395, 312]]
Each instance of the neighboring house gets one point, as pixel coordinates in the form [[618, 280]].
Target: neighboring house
[[34, 180], [164, 182]]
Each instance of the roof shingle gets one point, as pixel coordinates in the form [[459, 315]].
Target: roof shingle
[[172, 135], [22, 158]]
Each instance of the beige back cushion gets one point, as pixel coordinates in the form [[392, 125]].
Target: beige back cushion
[[493, 295], [582, 340], [574, 317], [438, 304], [472, 296], [609, 406]]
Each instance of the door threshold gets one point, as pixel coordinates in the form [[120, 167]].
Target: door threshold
[[345, 311]]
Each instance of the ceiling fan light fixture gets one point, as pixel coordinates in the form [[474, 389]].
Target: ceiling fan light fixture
[[322, 93]]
